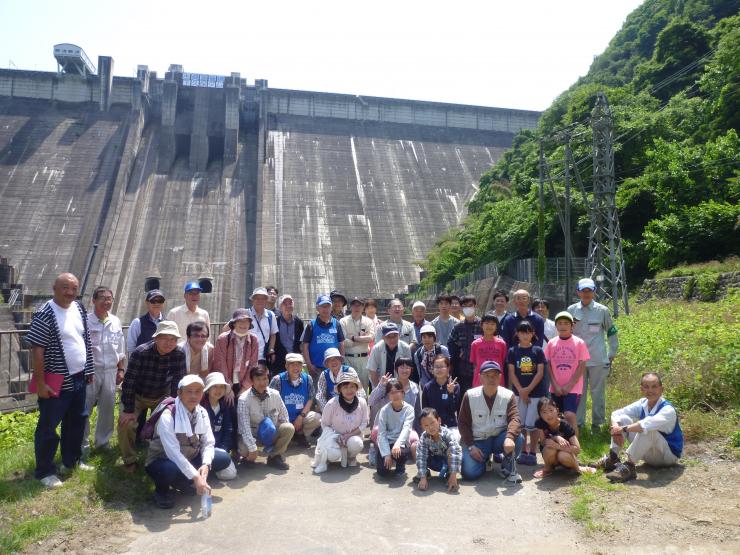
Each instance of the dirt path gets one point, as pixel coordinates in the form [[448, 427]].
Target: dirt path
[[694, 508]]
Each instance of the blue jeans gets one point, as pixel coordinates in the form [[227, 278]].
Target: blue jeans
[[472, 469], [69, 410], [165, 473]]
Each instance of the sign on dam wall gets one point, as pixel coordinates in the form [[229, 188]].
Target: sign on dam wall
[[194, 175]]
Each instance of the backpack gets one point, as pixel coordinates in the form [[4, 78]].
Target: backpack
[[147, 430]]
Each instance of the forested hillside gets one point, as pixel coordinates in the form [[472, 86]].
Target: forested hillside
[[672, 78]]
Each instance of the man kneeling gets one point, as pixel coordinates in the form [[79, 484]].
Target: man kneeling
[[182, 445], [263, 419], [651, 425], [489, 424]]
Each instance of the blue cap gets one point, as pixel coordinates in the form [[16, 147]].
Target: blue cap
[[490, 365], [192, 286], [322, 299], [586, 283], [389, 328]]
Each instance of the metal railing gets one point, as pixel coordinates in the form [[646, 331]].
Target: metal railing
[[457, 285], [525, 269], [16, 369]]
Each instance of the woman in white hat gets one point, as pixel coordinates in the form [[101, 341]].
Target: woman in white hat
[[343, 422], [328, 377], [223, 423]]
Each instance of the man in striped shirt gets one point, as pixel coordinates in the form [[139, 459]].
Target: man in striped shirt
[[62, 362]]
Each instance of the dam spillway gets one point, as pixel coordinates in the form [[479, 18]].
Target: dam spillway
[[188, 176]]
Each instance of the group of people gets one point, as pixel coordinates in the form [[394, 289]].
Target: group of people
[[456, 395]]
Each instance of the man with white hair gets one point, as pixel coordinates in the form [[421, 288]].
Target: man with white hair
[[395, 316], [182, 445]]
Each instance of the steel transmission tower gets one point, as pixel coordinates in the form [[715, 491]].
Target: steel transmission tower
[[605, 261]]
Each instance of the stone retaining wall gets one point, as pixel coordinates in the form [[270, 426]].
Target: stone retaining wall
[[704, 287]]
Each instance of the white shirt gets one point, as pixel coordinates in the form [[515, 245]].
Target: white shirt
[[183, 317], [108, 346], [263, 327], [72, 332], [363, 327], [166, 433], [663, 421], [550, 329]]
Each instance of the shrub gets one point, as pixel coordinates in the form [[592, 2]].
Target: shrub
[[706, 287]]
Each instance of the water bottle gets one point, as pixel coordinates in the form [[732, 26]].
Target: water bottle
[[205, 505]]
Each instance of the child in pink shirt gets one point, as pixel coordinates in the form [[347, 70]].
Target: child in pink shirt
[[489, 347], [567, 355]]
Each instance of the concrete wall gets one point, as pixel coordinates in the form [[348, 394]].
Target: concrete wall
[[368, 108], [66, 87]]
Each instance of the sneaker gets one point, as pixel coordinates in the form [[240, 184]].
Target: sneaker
[[163, 500], [277, 462], [85, 467], [508, 470], [52, 481], [607, 463], [320, 468], [623, 472], [532, 459], [527, 459], [498, 458]]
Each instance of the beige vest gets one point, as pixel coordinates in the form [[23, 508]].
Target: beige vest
[[489, 423], [190, 447]]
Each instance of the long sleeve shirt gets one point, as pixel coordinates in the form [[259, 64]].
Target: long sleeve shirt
[[446, 446], [512, 320], [465, 419], [394, 427], [336, 418], [661, 421], [108, 345], [593, 323], [166, 432], [445, 403], [461, 338], [151, 374], [251, 410]]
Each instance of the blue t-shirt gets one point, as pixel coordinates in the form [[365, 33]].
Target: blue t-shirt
[[525, 361]]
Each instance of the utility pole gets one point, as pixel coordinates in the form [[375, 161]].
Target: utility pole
[[541, 260], [605, 261], [568, 240]]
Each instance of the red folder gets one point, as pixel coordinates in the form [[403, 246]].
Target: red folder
[[54, 381]]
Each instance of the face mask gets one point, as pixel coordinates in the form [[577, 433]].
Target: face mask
[[468, 311], [238, 334]]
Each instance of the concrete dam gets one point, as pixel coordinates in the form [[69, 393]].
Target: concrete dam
[[188, 176]]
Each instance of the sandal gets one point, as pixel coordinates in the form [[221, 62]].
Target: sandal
[[542, 473]]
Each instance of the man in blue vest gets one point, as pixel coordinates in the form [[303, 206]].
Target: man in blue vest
[[320, 334], [142, 329], [652, 428], [297, 391]]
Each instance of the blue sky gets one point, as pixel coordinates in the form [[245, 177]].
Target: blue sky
[[513, 54]]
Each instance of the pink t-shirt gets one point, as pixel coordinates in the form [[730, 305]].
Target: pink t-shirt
[[482, 350], [564, 355]]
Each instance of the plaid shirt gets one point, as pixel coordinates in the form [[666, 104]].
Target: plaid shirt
[[151, 375], [427, 447]]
